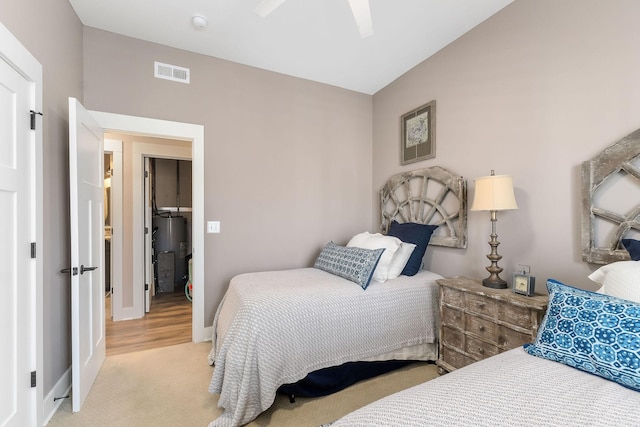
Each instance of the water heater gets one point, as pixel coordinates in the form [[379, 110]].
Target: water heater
[[171, 237]]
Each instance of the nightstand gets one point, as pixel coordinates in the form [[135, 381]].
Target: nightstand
[[477, 322]]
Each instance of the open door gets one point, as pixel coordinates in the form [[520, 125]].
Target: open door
[[86, 170]]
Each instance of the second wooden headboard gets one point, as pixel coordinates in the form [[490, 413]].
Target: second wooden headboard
[[614, 160]]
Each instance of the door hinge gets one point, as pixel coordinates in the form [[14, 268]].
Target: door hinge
[[146, 230], [33, 249], [146, 174], [33, 379], [33, 118], [146, 286]]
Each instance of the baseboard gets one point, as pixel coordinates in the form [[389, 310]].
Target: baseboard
[[203, 334], [60, 389], [130, 313]]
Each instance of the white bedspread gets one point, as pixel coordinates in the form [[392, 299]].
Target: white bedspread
[[273, 328], [510, 389]]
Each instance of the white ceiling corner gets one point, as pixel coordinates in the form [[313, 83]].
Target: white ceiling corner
[[312, 39]]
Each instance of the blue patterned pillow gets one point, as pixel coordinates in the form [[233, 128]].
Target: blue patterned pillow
[[351, 263], [593, 332]]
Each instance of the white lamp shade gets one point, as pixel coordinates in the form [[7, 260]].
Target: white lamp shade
[[494, 193]]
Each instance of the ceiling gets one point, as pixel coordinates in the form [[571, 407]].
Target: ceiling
[[312, 39]]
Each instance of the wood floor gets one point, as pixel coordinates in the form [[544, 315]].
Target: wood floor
[[167, 323]]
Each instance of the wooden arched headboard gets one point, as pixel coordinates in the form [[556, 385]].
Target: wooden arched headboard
[[617, 159], [433, 195]]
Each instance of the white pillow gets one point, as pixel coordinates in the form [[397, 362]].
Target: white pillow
[[623, 284], [390, 245], [600, 274], [619, 279], [400, 259]]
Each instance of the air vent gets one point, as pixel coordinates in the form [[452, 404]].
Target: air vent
[[171, 72]]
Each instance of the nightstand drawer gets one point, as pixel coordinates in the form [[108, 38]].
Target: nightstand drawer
[[515, 315], [481, 305], [508, 338], [481, 327], [452, 337], [452, 317], [480, 349], [456, 359], [453, 297]]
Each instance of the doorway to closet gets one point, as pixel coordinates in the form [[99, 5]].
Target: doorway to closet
[[161, 170], [169, 192]]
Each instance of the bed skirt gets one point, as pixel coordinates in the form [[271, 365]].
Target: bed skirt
[[335, 378]]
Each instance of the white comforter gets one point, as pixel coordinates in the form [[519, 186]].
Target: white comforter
[[510, 389], [273, 328]]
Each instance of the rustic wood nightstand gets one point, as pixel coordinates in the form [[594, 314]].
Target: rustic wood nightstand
[[477, 322]]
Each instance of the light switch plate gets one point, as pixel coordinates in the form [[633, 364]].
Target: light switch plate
[[213, 226]]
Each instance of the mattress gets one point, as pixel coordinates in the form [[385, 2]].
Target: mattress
[[510, 389]]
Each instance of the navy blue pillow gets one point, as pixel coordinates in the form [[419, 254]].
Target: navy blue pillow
[[633, 247], [419, 235]]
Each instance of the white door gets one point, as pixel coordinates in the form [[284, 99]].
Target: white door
[[17, 268], [86, 180], [149, 280]]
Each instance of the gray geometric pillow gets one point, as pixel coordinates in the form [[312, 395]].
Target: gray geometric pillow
[[351, 263]]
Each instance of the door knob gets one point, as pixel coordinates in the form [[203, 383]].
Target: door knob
[[83, 269], [73, 271]]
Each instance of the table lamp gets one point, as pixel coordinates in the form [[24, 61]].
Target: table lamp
[[494, 193]]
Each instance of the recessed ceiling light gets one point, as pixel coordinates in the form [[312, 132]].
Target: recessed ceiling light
[[199, 21]]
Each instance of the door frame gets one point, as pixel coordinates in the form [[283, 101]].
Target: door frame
[[147, 269], [142, 150], [114, 147], [118, 123], [16, 55]]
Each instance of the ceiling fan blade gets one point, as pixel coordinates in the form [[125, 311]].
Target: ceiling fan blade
[[267, 6], [362, 15]]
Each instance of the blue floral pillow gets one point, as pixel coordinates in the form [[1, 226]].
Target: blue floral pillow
[[351, 263], [593, 332]]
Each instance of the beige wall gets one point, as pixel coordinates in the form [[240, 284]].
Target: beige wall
[[52, 32], [287, 161], [532, 92]]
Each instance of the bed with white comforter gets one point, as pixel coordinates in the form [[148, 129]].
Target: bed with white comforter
[[274, 328], [371, 300], [511, 389], [583, 369]]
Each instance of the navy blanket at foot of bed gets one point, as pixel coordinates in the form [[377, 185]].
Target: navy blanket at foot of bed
[[333, 379]]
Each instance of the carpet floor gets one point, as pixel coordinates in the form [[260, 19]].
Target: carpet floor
[[169, 387]]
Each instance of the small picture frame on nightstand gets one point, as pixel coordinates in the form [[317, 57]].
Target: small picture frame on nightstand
[[523, 282]]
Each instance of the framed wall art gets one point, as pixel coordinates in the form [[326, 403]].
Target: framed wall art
[[418, 134]]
